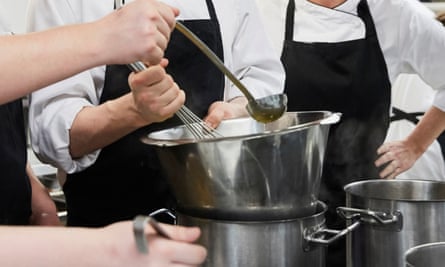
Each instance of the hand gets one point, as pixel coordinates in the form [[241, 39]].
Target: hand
[[398, 157], [220, 110], [179, 251], [157, 97], [138, 31], [44, 211]]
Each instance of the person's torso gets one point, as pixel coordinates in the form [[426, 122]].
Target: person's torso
[[344, 76], [130, 162], [15, 189], [319, 24]]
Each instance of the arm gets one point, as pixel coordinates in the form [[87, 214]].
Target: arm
[[401, 155], [252, 59], [111, 246], [139, 31], [155, 98], [44, 210], [62, 112], [419, 47]]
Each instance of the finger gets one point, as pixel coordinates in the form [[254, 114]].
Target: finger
[[163, 63], [176, 252], [155, 55], [383, 159], [386, 171], [391, 176], [169, 13], [214, 118], [176, 12], [151, 76], [182, 233], [388, 147], [167, 23], [172, 107], [391, 170], [164, 36], [190, 254], [382, 149]]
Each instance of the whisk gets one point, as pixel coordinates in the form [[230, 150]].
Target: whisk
[[194, 125]]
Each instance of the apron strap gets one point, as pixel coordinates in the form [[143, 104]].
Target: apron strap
[[364, 13], [402, 115], [290, 15]]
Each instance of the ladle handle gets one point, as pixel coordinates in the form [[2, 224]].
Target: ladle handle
[[214, 58]]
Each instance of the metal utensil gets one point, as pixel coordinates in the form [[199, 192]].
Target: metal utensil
[[265, 109], [139, 224]]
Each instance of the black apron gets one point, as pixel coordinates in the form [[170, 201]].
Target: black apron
[[127, 180], [348, 77], [15, 188]]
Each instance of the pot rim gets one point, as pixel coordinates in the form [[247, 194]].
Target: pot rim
[[330, 118], [349, 189]]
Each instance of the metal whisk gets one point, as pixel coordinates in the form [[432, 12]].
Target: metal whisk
[[197, 127]]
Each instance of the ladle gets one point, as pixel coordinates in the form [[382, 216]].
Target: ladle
[[266, 109]]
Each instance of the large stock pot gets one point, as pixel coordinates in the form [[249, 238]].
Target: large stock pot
[[260, 243], [395, 215], [255, 172]]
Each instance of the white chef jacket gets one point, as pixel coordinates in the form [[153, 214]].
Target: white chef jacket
[[5, 26], [411, 94], [247, 53], [412, 41]]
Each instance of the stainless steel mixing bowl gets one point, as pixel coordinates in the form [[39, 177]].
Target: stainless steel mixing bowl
[[255, 172]]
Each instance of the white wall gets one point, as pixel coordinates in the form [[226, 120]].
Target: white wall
[[13, 12]]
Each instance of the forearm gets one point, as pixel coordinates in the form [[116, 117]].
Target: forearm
[[44, 58], [427, 130], [97, 127], [52, 246]]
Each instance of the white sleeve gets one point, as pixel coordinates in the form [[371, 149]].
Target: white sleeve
[[439, 100], [254, 60], [422, 43], [53, 109]]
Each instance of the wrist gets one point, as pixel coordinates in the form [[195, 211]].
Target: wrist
[[416, 146], [123, 109]]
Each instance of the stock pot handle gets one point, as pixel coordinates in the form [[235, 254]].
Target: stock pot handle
[[163, 211], [325, 237], [141, 221], [393, 220]]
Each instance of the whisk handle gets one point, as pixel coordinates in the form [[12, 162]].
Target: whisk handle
[[137, 66]]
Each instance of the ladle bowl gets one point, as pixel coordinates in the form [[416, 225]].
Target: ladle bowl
[[266, 109]]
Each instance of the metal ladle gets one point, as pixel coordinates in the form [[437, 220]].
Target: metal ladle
[[266, 109]]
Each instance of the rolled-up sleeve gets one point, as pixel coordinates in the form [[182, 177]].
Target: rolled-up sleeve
[[439, 100], [51, 114], [54, 108]]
